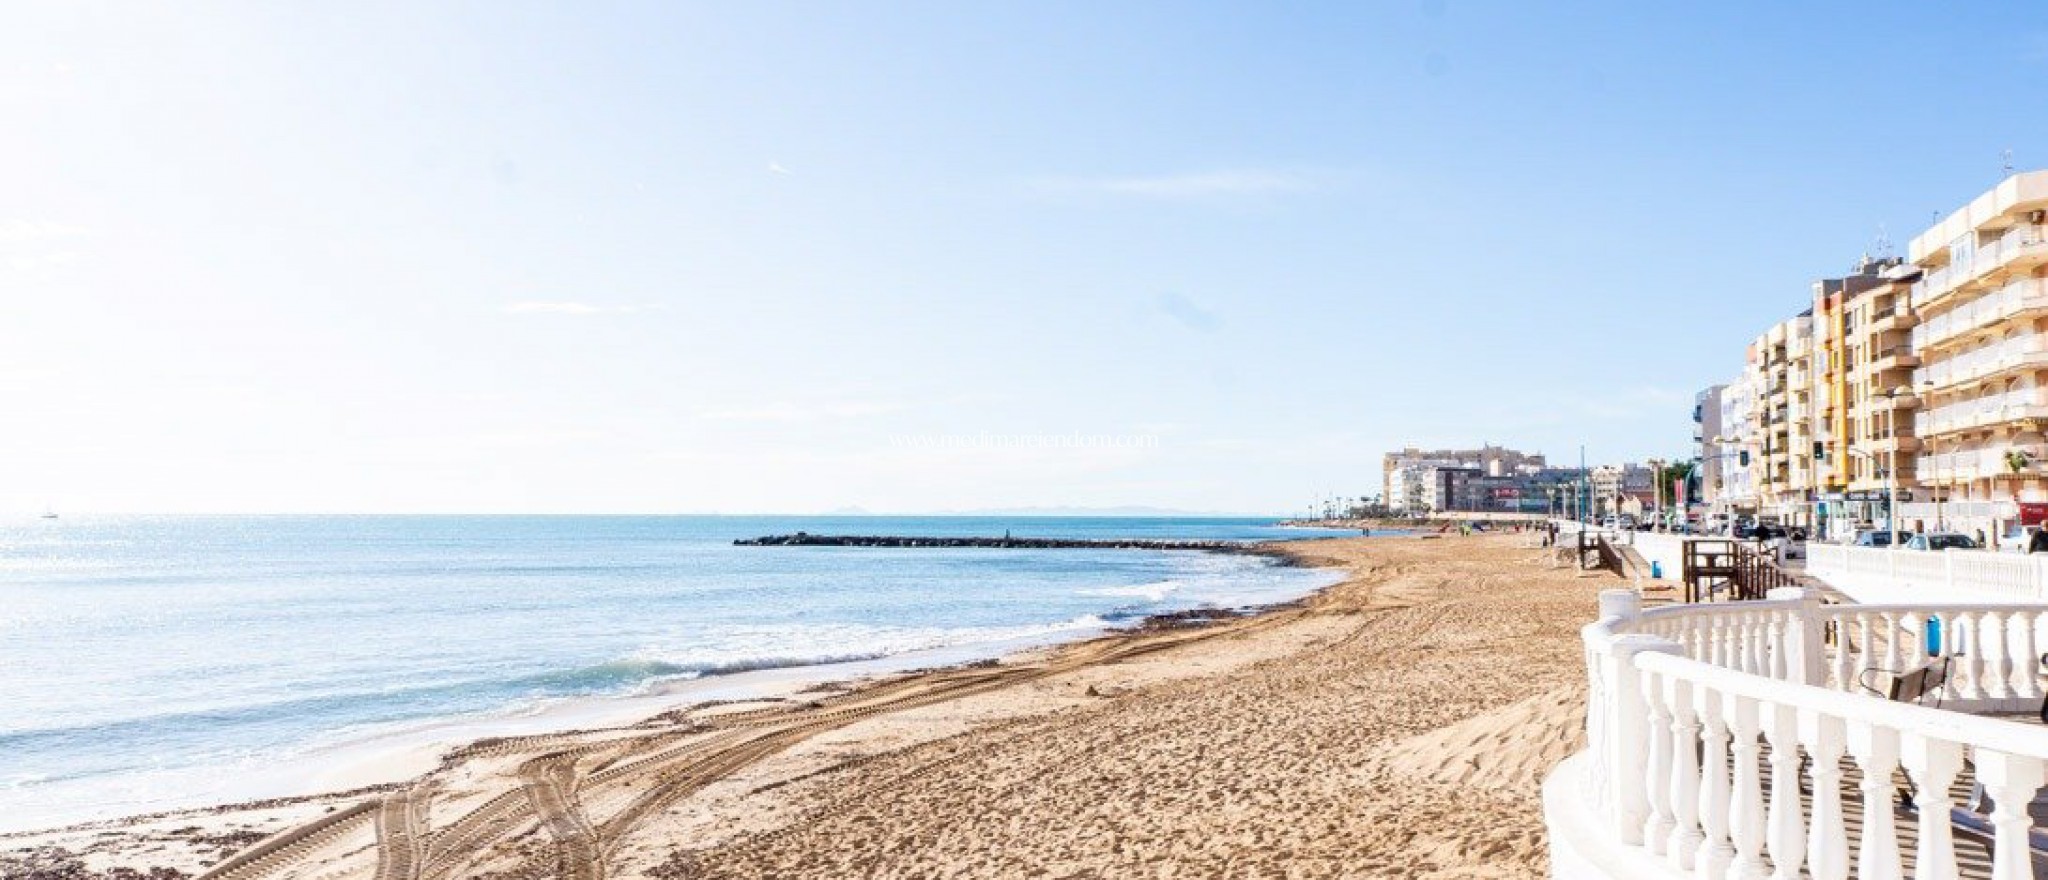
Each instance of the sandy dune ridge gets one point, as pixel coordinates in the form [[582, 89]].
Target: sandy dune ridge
[[1395, 725]]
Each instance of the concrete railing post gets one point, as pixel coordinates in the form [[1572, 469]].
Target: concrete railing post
[[1620, 604], [1806, 640], [1628, 730], [1618, 716]]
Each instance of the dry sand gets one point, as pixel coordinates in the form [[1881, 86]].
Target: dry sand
[[1397, 725]]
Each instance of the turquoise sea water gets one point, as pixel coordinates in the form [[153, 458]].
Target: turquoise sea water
[[147, 661]]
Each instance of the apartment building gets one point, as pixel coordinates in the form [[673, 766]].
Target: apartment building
[[1624, 488], [1706, 425], [1983, 343], [1730, 485], [1782, 452], [1406, 474], [1863, 396]]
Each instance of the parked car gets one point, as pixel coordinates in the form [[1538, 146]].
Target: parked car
[[1942, 541], [1877, 538]]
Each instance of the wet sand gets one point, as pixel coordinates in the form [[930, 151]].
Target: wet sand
[[1395, 725]]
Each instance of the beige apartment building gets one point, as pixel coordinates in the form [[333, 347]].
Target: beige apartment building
[[1983, 343], [1863, 395]]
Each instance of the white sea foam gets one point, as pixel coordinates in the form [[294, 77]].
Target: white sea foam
[[1157, 591]]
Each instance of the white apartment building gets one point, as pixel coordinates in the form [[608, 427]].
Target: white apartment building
[[1983, 346], [1731, 485]]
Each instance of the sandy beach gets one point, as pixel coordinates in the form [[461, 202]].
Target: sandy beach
[[1395, 725]]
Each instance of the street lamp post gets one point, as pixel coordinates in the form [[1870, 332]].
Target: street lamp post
[[1657, 488], [1891, 471], [1941, 488]]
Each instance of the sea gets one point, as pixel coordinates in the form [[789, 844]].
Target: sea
[[158, 663]]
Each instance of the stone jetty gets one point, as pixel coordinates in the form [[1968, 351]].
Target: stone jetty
[[801, 539]]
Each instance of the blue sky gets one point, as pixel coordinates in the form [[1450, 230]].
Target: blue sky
[[751, 257]]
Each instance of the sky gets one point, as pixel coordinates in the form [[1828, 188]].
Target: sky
[[912, 257]]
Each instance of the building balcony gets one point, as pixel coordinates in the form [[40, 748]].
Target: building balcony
[[1893, 318], [1975, 414], [2019, 249], [1890, 445], [2027, 351], [2019, 298], [1895, 358]]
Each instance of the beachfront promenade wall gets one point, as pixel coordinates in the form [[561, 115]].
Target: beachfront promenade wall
[[1884, 574], [1738, 740]]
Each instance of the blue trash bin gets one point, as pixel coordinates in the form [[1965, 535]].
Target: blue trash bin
[[1933, 635], [1656, 570]]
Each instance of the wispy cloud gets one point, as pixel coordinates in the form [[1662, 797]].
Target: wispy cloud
[[776, 168], [1188, 313], [793, 413], [577, 309], [37, 230], [1196, 185]]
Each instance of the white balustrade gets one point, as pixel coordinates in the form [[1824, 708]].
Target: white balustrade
[[1966, 575], [1687, 703]]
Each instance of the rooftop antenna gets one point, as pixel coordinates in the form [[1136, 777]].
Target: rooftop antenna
[[1884, 243], [2007, 156]]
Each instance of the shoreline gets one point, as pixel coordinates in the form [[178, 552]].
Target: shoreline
[[1044, 713], [380, 760]]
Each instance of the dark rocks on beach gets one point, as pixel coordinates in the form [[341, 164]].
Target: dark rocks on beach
[[57, 863], [1188, 618], [801, 539]]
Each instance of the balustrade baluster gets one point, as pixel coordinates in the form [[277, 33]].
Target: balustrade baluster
[[1827, 853], [2027, 663], [1746, 807], [1961, 648], [1657, 825], [1778, 629], [1766, 644], [1738, 625], [1715, 853], [1877, 753], [1725, 625], [1685, 775], [1933, 765], [1843, 680], [1865, 648], [2012, 781], [1787, 835], [1991, 643], [1912, 639], [1892, 658]]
